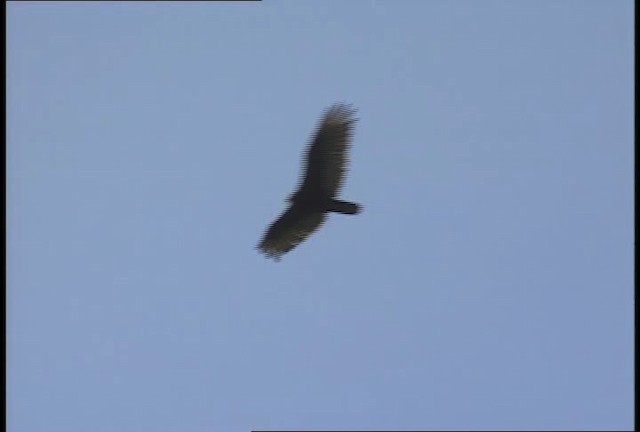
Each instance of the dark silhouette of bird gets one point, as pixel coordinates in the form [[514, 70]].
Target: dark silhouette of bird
[[325, 167]]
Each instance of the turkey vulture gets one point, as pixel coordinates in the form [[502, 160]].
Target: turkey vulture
[[325, 166]]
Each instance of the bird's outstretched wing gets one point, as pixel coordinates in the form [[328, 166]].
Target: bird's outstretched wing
[[289, 230], [326, 159]]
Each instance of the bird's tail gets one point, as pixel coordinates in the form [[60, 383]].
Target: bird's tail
[[343, 207]]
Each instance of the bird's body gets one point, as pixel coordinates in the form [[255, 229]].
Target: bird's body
[[323, 175]]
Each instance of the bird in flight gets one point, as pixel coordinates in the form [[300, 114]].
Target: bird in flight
[[324, 170]]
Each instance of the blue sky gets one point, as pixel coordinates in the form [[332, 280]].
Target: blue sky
[[487, 284]]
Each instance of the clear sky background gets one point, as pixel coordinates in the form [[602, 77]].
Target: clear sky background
[[487, 285]]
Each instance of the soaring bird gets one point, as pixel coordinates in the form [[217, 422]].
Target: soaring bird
[[325, 166]]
